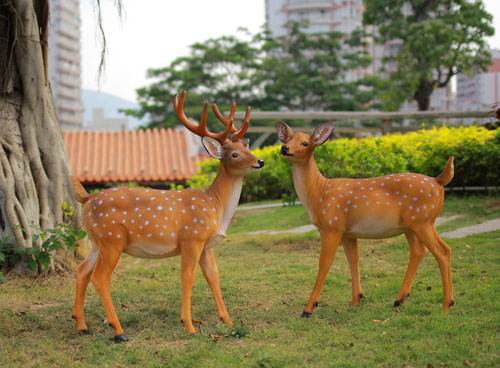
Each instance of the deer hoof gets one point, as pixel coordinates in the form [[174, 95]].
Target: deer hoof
[[306, 314], [397, 303], [84, 332], [120, 338], [361, 296], [452, 303], [315, 305]]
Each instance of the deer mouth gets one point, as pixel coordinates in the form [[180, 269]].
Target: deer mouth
[[260, 165], [286, 154]]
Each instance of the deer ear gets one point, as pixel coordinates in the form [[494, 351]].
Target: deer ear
[[284, 131], [213, 147], [322, 133]]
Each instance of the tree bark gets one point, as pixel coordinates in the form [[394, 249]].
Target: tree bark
[[34, 175], [423, 94]]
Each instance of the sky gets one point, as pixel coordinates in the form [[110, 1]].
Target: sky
[[153, 33]]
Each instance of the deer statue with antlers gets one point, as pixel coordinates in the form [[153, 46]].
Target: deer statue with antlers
[[374, 208], [151, 223]]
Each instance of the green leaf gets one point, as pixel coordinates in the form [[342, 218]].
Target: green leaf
[[44, 260], [32, 265]]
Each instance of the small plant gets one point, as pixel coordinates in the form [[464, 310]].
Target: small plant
[[63, 236], [239, 330], [38, 259]]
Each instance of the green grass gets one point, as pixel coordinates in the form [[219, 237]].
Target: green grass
[[266, 281]]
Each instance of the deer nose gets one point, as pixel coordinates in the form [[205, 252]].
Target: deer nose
[[261, 163], [284, 149]]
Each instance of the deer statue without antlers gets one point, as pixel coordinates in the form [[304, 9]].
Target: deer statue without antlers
[[374, 208], [151, 223]]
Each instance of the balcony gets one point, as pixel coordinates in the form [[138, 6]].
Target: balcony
[[67, 93], [69, 31], [68, 56], [297, 5], [68, 44]]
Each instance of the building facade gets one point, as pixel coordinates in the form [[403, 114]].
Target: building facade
[[322, 15], [64, 62], [344, 16], [480, 91]]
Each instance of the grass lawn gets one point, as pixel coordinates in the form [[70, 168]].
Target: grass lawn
[[266, 281]]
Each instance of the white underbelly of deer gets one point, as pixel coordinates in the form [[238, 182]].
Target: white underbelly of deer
[[374, 228], [152, 250]]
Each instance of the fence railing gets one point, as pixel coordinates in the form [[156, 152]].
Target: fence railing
[[386, 120]]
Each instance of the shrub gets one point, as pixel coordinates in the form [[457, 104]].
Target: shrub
[[476, 151]]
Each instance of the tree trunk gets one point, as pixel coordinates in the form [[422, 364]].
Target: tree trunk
[[34, 175], [423, 94]]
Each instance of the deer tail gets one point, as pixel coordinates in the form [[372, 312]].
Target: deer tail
[[447, 175], [81, 194]]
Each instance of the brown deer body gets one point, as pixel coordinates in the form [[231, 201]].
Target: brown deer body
[[381, 207], [150, 223]]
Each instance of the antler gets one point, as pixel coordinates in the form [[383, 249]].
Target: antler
[[201, 129], [228, 120]]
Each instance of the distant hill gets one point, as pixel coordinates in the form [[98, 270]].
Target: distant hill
[[110, 103]]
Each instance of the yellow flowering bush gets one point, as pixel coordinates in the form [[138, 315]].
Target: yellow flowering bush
[[476, 151]]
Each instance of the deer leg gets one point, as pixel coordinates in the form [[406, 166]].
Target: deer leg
[[351, 250], [329, 244], [417, 253], [83, 273], [445, 248], [211, 273], [109, 254], [190, 256], [428, 235]]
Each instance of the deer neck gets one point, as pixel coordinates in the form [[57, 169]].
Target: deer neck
[[308, 183], [226, 189]]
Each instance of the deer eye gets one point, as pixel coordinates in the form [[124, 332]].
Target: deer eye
[[305, 144], [235, 154]]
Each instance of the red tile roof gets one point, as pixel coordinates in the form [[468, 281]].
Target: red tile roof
[[153, 155], [495, 66]]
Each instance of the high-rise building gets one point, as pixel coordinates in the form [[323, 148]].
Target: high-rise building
[[64, 61], [321, 15], [480, 91], [344, 16]]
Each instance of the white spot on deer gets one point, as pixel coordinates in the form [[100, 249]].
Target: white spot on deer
[[159, 208]]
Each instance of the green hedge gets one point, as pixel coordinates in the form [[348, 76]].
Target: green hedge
[[476, 151]]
